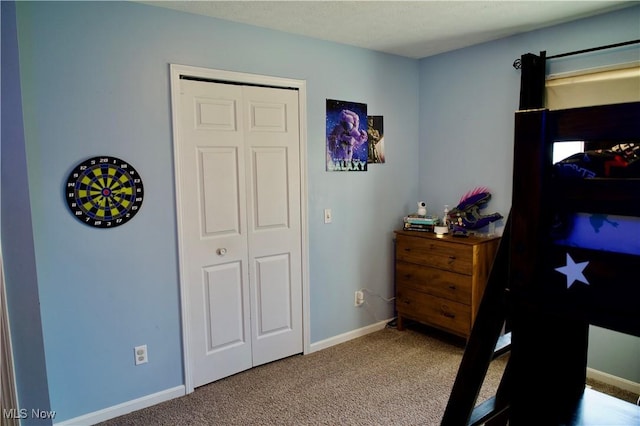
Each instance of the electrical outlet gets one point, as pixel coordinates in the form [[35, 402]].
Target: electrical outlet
[[328, 217], [359, 298], [141, 354]]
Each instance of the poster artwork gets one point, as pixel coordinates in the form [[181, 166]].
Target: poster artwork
[[375, 132], [347, 147]]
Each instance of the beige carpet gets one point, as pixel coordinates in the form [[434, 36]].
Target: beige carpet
[[387, 377]]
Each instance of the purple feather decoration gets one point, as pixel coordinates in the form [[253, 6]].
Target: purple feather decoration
[[466, 214], [476, 196]]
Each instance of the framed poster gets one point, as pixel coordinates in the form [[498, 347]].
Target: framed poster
[[375, 131], [346, 141]]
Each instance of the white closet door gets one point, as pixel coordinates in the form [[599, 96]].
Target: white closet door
[[239, 216]]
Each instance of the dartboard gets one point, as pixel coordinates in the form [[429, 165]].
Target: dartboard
[[104, 192]]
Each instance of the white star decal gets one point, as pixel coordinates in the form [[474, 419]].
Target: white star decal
[[573, 271]]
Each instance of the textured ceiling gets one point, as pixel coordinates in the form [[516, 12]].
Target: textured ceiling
[[415, 29]]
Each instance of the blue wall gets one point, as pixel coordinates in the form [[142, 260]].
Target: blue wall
[[467, 102], [95, 80]]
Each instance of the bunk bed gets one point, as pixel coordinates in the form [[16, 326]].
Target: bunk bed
[[549, 287]]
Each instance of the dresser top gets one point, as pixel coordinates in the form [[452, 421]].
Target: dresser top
[[470, 240]]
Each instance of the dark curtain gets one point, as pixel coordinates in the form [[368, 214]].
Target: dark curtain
[[532, 80]]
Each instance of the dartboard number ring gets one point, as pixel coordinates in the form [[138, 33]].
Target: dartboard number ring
[[104, 192]]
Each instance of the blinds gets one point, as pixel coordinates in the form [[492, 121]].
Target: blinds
[[593, 88]]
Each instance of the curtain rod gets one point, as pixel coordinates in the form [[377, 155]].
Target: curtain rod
[[517, 64], [593, 49]]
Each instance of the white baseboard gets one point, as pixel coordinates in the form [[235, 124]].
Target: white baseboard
[[345, 337], [125, 407], [612, 380]]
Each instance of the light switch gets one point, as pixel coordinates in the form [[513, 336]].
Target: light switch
[[327, 216]]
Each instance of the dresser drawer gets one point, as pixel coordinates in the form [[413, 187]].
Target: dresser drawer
[[439, 254], [436, 311], [436, 282]]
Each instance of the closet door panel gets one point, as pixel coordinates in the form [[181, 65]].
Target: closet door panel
[[273, 217], [212, 222]]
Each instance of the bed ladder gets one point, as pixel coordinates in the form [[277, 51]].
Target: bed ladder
[[485, 344]]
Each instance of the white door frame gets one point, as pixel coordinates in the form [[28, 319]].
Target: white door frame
[[176, 71]]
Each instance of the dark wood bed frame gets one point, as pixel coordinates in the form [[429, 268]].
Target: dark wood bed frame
[[544, 381]]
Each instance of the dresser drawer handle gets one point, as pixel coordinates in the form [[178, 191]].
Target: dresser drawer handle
[[452, 287], [444, 310]]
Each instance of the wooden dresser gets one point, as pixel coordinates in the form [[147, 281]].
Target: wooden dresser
[[440, 280]]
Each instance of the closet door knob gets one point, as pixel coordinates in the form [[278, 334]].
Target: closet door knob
[[221, 251]]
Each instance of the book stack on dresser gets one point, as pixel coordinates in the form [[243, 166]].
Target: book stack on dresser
[[420, 223]]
